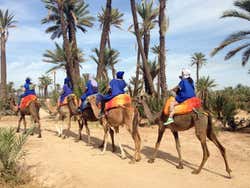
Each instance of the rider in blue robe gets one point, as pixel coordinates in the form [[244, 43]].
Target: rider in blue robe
[[91, 88], [28, 90], [67, 89]]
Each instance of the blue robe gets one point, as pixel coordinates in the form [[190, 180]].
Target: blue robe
[[66, 91], [186, 91], [90, 90], [117, 87], [27, 92]]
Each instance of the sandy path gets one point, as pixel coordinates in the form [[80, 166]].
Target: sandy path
[[55, 162]]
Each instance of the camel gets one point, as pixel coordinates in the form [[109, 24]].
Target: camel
[[63, 113], [66, 112], [202, 122], [114, 118], [32, 109]]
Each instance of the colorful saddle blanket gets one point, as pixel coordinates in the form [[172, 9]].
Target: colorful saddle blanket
[[119, 100], [65, 101], [183, 108], [25, 101]]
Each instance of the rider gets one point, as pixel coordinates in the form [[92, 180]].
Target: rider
[[90, 89], [29, 89], [67, 89], [116, 87], [185, 90]]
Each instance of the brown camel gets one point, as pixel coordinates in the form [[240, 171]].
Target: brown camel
[[32, 109], [66, 112], [114, 118], [203, 129]]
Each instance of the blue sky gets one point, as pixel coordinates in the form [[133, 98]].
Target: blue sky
[[194, 27]]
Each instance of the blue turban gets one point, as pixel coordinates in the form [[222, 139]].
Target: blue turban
[[120, 74], [27, 80], [66, 80]]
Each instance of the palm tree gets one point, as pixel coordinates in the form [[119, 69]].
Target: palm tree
[[163, 26], [6, 22], [68, 16], [58, 58], [45, 81], [146, 70], [198, 59], [204, 86], [115, 20], [105, 31], [110, 59], [148, 15], [240, 37]]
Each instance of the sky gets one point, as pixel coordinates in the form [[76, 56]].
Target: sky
[[195, 26]]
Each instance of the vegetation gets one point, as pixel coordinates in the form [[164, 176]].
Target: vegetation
[[198, 59], [11, 152], [6, 22], [240, 37]]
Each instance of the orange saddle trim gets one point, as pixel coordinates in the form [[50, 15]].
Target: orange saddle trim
[[119, 100], [183, 108], [25, 101]]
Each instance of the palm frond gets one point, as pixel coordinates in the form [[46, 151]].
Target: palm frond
[[235, 14], [245, 56], [235, 51]]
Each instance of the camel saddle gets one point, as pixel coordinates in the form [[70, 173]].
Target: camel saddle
[[25, 101], [119, 100], [183, 108]]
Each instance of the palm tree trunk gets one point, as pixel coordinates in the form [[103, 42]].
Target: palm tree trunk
[[105, 32], [146, 42], [72, 40], [144, 59], [3, 68], [137, 73], [162, 56], [197, 72], [113, 71], [66, 45]]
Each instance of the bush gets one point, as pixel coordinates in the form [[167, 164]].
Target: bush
[[10, 152]]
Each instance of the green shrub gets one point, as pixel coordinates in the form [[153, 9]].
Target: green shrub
[[10, 152]]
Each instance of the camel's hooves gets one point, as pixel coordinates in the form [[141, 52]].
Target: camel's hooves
[[179, 167], [132, 161], [196, 172], [31, 134], [151, 161], [100, 146], [39, 136], [123, 157], [17, 130], [59, 135]]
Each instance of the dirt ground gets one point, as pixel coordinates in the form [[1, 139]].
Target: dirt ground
[[68, 163]]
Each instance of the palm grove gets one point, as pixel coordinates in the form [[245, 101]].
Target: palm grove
[[67, 17]]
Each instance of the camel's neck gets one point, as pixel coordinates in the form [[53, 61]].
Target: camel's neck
[[51, 108], [13, 106], [94, 107], [72, 107]]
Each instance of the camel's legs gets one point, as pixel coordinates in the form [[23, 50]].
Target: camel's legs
[[25, 124], [80, 124], [214, 139], [87, 130], [178, 148], [161, 130], [201, 135], [111, 132], [19, 124], [39, 129], [123, 156], [105, 139]]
